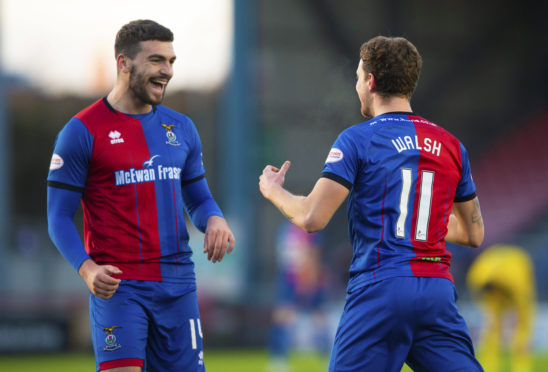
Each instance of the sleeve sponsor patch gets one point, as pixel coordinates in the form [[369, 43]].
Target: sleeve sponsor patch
[[56, 162], [334, 156]]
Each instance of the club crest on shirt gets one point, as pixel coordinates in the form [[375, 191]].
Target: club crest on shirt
[[171, 137], [334, 156], [110, 340]]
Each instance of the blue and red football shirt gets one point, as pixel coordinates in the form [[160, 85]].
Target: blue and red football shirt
[[403, 173], [130, 170]]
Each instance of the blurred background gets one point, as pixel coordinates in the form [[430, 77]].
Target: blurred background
[[268, 81]]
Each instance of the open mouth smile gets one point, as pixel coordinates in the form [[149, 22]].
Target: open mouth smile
[[158, 84]]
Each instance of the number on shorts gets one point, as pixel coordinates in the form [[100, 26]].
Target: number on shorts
[[193, 325], [425, 202]]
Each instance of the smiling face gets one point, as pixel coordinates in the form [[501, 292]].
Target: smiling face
[[150, 71]]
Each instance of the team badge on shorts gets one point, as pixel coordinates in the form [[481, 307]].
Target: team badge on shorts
[[110, 340], [171, 137]]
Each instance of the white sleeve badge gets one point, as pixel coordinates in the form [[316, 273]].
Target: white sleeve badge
[[56, 162], [334, 156]]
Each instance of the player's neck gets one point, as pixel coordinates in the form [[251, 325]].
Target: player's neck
[[383, 105], [121, 99]]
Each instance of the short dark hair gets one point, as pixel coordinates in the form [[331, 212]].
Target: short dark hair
[[394, 62], [131, 34]]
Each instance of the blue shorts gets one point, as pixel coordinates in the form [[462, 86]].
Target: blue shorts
[[403, 319], [155, 325]]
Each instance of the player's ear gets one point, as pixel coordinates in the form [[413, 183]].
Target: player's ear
[[371, 82], [123, 63]]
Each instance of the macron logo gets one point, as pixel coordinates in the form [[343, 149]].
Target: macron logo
[[115, 137]]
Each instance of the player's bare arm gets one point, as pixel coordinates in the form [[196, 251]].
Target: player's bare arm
[[311, 213], [218, 239], [98, 278], [465, 225]]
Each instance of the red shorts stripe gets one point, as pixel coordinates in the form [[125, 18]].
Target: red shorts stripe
[[121, 363]]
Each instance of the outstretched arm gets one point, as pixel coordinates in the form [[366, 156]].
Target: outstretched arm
[[465, 225], [311, 213]]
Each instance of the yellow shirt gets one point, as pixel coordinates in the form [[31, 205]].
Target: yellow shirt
[[507, 267]]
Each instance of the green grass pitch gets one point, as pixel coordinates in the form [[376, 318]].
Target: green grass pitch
[[216, 361]]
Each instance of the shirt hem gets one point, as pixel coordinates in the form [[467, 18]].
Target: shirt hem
[[156, 278], [352, 286]]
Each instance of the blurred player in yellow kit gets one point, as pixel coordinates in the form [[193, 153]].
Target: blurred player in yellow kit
[[502, 277]]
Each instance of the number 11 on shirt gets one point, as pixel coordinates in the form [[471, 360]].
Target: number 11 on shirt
[[425, 201]]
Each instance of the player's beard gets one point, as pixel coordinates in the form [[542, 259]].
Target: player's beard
[[138, 85]]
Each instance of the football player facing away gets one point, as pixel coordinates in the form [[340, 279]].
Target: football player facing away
[[410, 190]]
